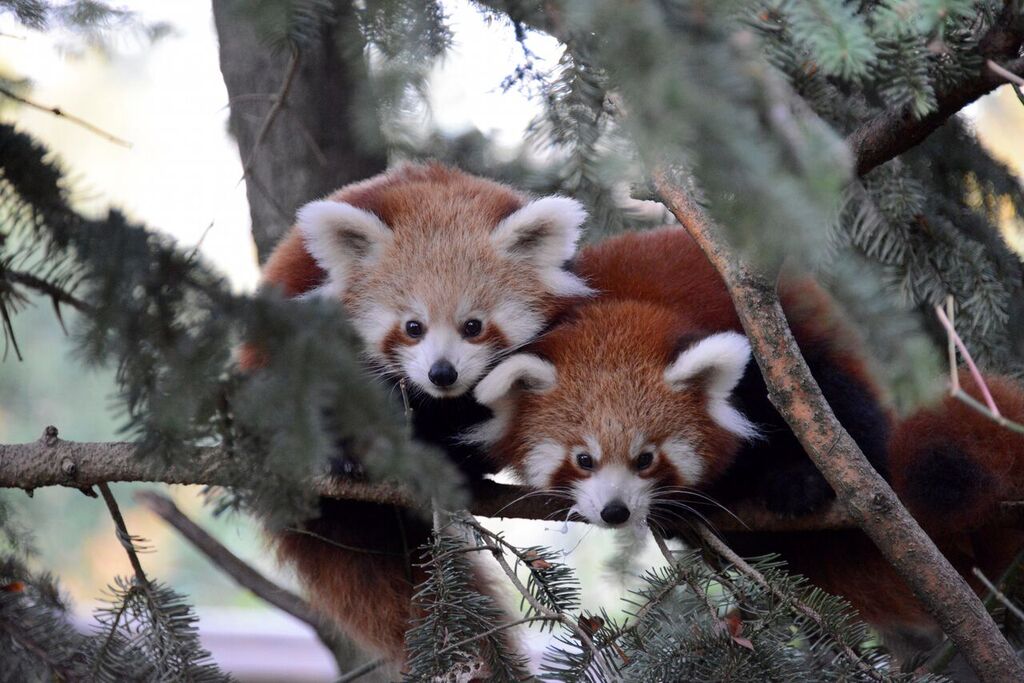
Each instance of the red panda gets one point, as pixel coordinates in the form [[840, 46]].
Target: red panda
[[441, 273], [645, 400]]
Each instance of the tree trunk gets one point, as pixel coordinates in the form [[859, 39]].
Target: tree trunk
[[324, 132]]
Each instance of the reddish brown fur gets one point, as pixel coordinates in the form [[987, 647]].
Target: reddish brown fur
[[658, 286], [635, 342], [665, 266], [996, 453]]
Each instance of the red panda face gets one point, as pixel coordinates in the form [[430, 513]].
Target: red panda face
[[441, 280], [618, 416]]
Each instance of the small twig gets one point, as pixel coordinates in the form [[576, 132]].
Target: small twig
[[498, 629], [965, 354], [57, 294], [122, 534], [685, 576], [1008, 75], [954, 376], [536, 604], [361, 671], [980, 407], [730, 556], [60, 113], [275, 109], [998, 594]]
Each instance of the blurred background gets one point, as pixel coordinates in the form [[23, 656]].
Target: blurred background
[[182, 176]]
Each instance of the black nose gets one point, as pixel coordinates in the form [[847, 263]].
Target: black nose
[[442, 373], [615, 512]]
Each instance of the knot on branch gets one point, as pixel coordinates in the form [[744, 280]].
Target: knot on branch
[[49, 437], [881, 503]]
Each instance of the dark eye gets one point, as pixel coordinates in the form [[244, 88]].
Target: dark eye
[[585, 461], [644, 460], [414, 328], [472, 328]]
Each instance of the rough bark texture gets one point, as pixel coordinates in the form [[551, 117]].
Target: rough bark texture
[[323, 135], [52, 461], [866, 496], [890, 134]]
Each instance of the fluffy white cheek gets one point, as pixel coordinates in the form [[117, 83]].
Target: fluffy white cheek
[[542, 462], [518, 322], [685, 459], [373, 324], [613, 483]]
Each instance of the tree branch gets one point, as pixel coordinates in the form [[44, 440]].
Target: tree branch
[[51, 461], [869, 500], [247, 577]]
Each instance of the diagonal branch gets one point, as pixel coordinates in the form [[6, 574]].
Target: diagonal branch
[[865, 495]]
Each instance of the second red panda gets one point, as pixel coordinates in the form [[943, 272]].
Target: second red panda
[[648, 394]]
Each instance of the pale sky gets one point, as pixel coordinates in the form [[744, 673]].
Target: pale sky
[[181, 174]]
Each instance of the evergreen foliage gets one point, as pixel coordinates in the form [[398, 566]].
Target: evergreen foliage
[[748, 101]]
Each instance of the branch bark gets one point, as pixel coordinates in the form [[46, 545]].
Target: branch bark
[[868, 499], [892, 133], [322, 132], [51, 461]]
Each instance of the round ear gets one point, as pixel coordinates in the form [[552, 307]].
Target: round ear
[[544, 233], [522, 371], [715, 364], [340, 236]]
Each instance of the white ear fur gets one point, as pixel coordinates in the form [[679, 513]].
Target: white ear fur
[[521, 369], [720, 360], [340, 236], [544, 233]]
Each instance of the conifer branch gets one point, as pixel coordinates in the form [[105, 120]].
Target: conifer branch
[[127, 542], [893, 132], [720, 548], [866, 496], [57, 294]]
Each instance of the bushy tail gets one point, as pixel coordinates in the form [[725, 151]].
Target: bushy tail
[[361, 564], [357, 562], [951, 465]]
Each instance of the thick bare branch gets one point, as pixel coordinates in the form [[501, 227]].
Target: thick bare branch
[[51, 461], [865, 495]]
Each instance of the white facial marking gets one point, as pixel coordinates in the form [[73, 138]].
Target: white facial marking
[[373, 324], [638, 444], [517, 321], [593, 447], [684, 458], [613, 483], [720, 360], [441, 342], [542, 462]]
